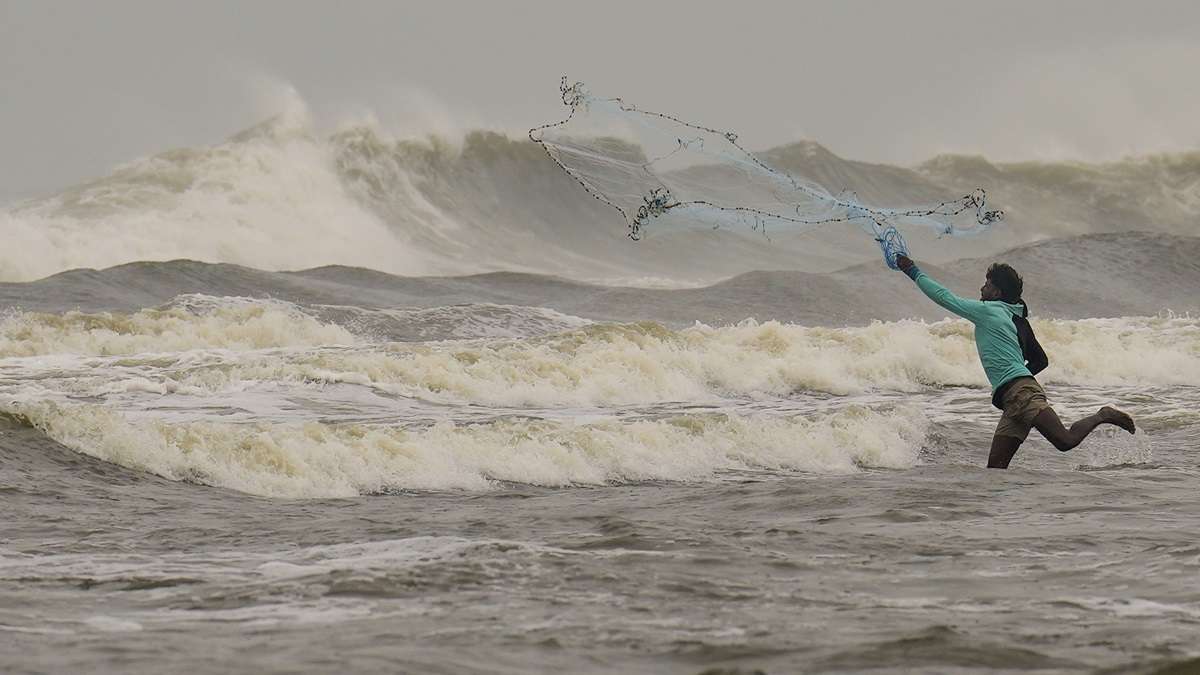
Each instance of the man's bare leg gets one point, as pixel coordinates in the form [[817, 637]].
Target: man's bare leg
[[1064, 439], [1003, 449]]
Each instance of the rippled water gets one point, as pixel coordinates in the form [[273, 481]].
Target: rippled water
[[586, 455], [1065, 564], [230, 484]]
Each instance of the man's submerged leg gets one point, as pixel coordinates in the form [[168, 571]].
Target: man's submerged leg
[[1064, 439], [1003, 449]]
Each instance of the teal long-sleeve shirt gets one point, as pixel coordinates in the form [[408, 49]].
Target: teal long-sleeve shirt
[[995, 333]]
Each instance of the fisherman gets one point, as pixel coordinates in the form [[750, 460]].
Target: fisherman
[[1011, 356]]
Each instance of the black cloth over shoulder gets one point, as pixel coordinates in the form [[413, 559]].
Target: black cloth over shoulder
[[1035, 357]]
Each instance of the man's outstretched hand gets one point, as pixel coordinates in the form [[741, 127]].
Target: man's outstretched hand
[[904, 263]]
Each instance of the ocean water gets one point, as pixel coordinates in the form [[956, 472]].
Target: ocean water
[[476, 431]]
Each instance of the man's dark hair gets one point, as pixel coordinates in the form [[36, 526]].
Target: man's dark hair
[[1007, 280]]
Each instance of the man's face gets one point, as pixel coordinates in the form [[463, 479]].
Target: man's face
[[989, 291]]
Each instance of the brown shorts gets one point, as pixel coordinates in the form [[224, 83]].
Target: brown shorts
[[1022, 402]]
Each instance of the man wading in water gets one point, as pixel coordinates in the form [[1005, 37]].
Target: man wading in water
[[1011, 356]]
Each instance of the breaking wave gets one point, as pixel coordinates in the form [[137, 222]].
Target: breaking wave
[[321, 460], [281, 196], [576, 364], [244, 324], [271, 199], [634, 364], [190, 322]]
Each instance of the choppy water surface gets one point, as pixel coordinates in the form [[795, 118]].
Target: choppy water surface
[[353, 403], [226, 483]]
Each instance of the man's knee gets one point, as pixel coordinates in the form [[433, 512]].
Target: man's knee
[[1052, 428], [1062, 443]]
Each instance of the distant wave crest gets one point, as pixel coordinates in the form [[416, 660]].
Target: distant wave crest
[[280, 196]]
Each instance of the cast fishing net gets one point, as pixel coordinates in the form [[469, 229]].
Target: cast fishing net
[[662, 173]]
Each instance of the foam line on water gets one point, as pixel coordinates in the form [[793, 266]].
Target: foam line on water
[[322, 460], [190, 322], [213, 346], [644, 363]]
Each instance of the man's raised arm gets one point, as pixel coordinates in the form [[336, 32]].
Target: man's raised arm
[[970, 310]]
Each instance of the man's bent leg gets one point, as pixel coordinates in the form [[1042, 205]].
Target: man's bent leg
[[1003, 449], [1064, 439]]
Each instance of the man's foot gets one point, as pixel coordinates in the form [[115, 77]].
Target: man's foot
[[1114, 416]]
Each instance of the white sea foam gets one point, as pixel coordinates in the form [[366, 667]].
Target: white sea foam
[[1133, 350], [646, 363], [270, 199], [283, 195], [602, 364], [320, 460], [1137, 607], [189, 323]]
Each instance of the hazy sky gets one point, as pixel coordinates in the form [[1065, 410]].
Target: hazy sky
[[87, 85]]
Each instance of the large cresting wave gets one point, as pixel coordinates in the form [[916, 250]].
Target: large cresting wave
[[284, 196]]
